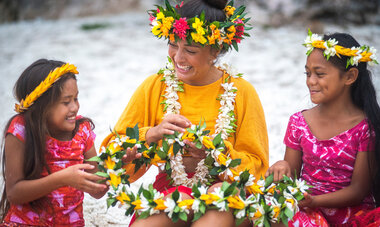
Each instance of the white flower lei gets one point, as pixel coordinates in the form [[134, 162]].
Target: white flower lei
[[224, 124]]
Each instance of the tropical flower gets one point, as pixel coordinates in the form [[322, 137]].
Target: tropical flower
[[160, 204], [180, 27], [109, 163], [115, 179], [122, 197], [235, 202], [229, 10], [170, 204], [207, 142]]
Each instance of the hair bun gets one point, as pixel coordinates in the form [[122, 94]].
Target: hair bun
[[219, 4]]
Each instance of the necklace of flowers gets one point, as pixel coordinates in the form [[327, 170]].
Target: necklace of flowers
[[225, 123]]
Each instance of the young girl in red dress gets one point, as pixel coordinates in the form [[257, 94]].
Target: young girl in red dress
[[335, 146], [45, 148]]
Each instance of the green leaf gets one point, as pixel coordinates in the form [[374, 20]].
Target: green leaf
[[183, 216], [199, 145], [218, 138], [235, 45], [111, 202], [235, 162], [144, 215], [289, 213], [136, 129], [147, 194], [175, 195], [101, 174], [197, 215], [202, 208], [269, 180], [94, 159], [130, 133], [239, 221]]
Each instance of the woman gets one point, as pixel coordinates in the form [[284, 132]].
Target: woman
[[162, 104]]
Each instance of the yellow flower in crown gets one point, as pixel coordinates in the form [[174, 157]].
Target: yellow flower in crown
[[207, 142], [235, 202], [168, 23], [215, 34], [160, 204], [209, 198], [122, 197], [109, 163], [115, 179], [230, 10], [186, 203]]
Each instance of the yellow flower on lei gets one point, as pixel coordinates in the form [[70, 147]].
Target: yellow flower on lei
[[207, 142], [255, 189], [113, 148], [186, 203], [235, 202], [188, 136], [109, 163], [209, 198], [123, 197], [137, 204], [160, 204], [115, 180]]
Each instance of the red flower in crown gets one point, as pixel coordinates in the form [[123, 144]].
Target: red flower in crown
[[239, 30], [180, 26], [179, 5]]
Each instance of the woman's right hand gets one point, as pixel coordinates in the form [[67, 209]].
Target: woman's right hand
[[279, 169], [76, 177], [170, 124]]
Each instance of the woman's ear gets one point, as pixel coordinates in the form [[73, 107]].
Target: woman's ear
[[351, 76]]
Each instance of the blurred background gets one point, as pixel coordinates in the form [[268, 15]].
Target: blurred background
[[111, 44]]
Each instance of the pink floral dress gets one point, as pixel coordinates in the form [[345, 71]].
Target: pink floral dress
[[61, 207], [328, 165]]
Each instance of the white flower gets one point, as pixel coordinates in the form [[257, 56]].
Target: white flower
[[301, 185], [355, 59], [195, 206], [291, 202], [310, 39], [330, 47], [240, 214], [170, 204], [292, 190]]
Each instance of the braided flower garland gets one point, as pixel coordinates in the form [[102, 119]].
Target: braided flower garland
[[261, 201]]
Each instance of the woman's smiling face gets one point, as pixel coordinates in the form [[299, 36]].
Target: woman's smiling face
[[192, 62]]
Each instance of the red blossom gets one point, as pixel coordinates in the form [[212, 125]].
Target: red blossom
[[180, 26], [179, 6], [239, 30]]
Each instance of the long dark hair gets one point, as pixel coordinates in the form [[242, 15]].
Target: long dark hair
[[35, 119], [363, 95]]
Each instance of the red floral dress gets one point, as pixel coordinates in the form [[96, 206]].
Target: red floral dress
[[64, 205], [328, 166]]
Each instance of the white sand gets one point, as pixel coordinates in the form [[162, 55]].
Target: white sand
[[112, 63]]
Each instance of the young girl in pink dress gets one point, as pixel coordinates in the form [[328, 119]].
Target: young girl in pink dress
[[335, 146], [45, 146]]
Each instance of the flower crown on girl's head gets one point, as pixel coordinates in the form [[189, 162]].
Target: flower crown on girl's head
[[331, 48], [44, 86], [167, 23]]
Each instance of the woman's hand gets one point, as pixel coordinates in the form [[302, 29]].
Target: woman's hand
[[170, 124], [76, 177], [192, 150], [131, 154], [279, 169]]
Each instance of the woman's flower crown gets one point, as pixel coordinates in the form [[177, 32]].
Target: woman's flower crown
[[44, 86], [167, 23], [331, 48]]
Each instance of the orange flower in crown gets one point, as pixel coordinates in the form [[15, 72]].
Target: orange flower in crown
[[166, 22]]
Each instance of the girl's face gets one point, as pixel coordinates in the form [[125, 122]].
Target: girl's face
[[62, 114], [326, 82], [192, 62]]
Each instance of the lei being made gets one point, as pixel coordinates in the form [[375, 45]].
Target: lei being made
[[331, 48], [167, 23], [225, 123], [53, 76], [262, 201]]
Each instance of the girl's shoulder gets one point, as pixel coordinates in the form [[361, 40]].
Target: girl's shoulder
[[17, 127]]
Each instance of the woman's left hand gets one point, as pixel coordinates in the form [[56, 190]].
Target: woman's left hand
[[194, 151], [308, 201]]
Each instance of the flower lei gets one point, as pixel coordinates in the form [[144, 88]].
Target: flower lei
[[267, 201], [168, 23], [225, 123], [44, 86], [331, 48]]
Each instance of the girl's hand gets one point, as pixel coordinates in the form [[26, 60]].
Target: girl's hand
[[170, 124], [76, 177], [279, 169], [307, 201], [192, 150], [131, 154]]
